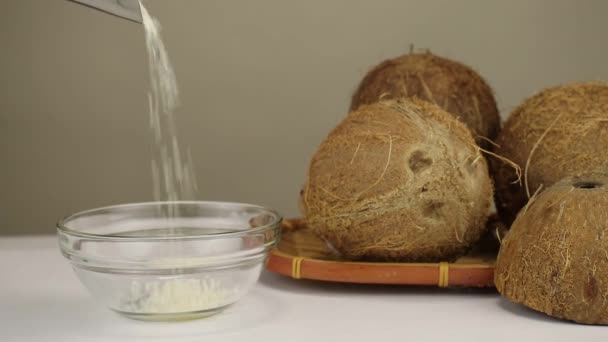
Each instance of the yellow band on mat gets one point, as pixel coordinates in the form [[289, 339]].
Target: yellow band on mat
[[443, 274], [296, 265]]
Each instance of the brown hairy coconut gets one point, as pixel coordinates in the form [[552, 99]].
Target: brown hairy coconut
[[398, 181], [559, 132], [555, 257], [453, 86]]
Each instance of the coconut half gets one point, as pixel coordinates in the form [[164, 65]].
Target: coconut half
[[555, 257]]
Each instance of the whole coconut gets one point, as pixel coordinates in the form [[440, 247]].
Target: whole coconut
[[559, 132], [398, 181], [453, 86], [555, 257]]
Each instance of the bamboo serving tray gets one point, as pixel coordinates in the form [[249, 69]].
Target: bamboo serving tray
[[302, 255]]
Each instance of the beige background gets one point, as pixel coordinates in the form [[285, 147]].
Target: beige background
[[262, 82]]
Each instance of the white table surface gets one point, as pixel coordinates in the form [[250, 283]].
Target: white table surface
[[42, 300]]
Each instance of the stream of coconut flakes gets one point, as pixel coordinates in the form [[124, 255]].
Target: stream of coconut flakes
[[173, 179]]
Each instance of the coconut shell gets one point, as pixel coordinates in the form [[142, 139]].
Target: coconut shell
[[572, 121], [555, 257], [398, 181], [453, 86]]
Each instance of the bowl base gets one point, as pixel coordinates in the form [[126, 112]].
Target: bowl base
[[171, 316]]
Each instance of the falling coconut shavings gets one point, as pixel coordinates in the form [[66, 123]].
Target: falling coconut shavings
[[173, 179], [172, 172]]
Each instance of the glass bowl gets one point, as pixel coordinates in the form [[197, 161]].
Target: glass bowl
[[169, 260]]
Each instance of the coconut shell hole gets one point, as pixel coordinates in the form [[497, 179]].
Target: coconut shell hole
[[419, 161], [588, 185]]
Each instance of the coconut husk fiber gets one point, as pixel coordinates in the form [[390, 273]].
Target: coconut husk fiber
[[453, 86], [398, 180], [561, 131], [555, 257]]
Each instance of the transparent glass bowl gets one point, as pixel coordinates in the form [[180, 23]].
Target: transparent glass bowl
[[169, 260]]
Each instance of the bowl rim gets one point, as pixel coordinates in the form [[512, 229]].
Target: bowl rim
[[61, 224]]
